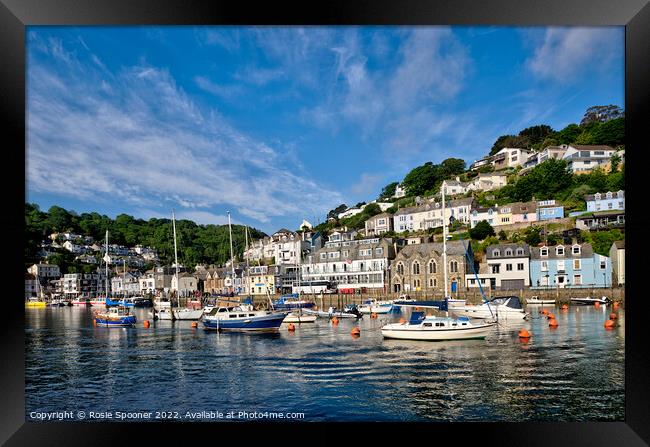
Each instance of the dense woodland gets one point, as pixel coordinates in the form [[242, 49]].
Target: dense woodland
[[208, 244]]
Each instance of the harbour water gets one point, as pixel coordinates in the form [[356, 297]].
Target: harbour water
[[572, 373]]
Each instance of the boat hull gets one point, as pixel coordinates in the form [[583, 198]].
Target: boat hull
[[124, 321], [323, 314], [416, 332], [588, 301], [300, 318], [36, 304], [481, 312], [291, 306], [376, 309], [262, 323]]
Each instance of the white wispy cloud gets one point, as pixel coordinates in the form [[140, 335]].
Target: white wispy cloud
[[565, 53], [148, 143]]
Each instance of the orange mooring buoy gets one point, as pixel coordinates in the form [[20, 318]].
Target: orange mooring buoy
[[551, 316], [335, 320], [544, 312], [373, 315], [616, 304], [565, 307], [291, 327], [609, 324], [355, 331], [524, 334], [194, 324], [402, 320], [613, 316], [552, 323], [146, 323]]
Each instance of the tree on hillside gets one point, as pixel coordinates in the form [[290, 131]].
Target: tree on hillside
[[453, 166], [388, 191], [482, 230], [543, 181], [537, 134], [336, 211], [601, 114], [422, 179], [611, 133], [569, 134], [59, 219]]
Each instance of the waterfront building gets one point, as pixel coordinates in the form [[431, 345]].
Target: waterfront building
[[508, 268], [572, 265], [549, 210], [45, 271], [128, 283], [31, 286], [606, 201], [617, 256], [419, 267], [381, 223], [91, 285], [185, 284], [351, 264], [584, 158], [261, 279], [147, 283]]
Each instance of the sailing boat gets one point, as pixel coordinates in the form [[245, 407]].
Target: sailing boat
[[242, 318], [434, 328], [103, 301], [117, 316], [173, 313]]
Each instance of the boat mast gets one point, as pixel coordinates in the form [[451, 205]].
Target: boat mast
[[107, 258], [232, 258], [175, 254], [247, 256], [444, 243]]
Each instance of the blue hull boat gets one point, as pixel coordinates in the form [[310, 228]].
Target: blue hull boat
[[118, 316], [291, 302], [257, 323], [110, 302]]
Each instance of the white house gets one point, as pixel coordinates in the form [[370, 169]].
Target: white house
[[510, 157], [488, 181], [584, 158], [400, 192], [617, 256], [45, 271], [508, 268], [605, 201]]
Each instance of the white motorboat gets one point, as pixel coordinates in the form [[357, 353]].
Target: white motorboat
[[590, 301], [499, 308], [350, 311], [535, 300], [299, 317], [455, 302], [376, 307], [433, 328], [177, 314]]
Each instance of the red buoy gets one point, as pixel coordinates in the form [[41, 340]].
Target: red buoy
[[552, 323], [524, 334], [291, 327], [355, 331], [609, 324]]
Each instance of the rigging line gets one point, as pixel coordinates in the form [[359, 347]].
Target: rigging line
[[471, 263]]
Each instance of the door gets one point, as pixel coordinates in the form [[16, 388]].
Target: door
[[454, 286], [512, 284]]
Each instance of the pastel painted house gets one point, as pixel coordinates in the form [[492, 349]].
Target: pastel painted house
[[508, 268], [523, 212], [569, 266], [549, 210], [606, 201]]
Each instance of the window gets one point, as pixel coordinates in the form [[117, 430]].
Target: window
[[576, 264], [416, 268], [381, 222], [610, 205], [323, 255], [433, 282], [575, 249], [453, 266], [620, 205], [432, 267], [508, 252], [559, 250], [603, 265], [508, 267], [379, 251], [543, 251], [577, 280], [496, 253], [400, 268], [495, 268], [560, 265], [544, 266], [520, 266], [520, 252]]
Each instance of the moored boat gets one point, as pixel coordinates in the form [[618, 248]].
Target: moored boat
[[292, 301], [500, 308], [434, 328], [588, 301], [243, 319], [118, 316], [349, 311], [35, 302], [376, 307], [299, 317], [535, 300]]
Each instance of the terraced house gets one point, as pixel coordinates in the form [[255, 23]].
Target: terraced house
[[420, 267], [351, 264], [508, 268], [571, 265], [429, 215]]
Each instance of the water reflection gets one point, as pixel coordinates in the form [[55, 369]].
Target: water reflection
[[574, 372]]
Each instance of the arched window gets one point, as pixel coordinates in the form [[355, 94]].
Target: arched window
[[433, 282], [400, 268], [453, 266], [416, 268], [433, 267]]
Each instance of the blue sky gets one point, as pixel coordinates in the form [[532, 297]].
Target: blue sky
[[280, 124]]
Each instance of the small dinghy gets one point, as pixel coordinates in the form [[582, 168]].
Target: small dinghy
[[588, 301]]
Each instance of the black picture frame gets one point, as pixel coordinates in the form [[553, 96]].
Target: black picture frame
[[16, 14]]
